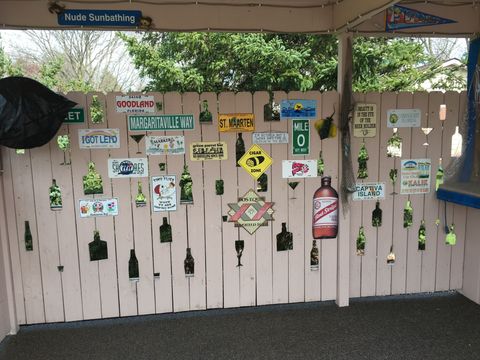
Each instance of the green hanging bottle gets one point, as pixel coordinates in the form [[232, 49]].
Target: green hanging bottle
[[362, 163], [28, 237], [451, 238], [97, 248], [439, 175], [361, 240], [165, 231], [189, 264], [422, 236], [133, 271], [377, 215], [408, 215], [239, 148]]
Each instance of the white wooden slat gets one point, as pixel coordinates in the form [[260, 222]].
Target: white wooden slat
[[400, 234], [369, 260], [196, 219], [127, 290], [244, 104], [213, 211], [431, 204], [13, 235], [178, 219], [280, 194], [231, 278], [328, 252], [264, 241], [356, 218], [47, 234], [385, 232], [107, 269], [162, 258]]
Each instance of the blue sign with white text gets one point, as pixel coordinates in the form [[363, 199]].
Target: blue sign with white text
[[305, 109], [120, 18]]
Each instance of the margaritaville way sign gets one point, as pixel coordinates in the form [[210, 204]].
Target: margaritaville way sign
[[160, 122]]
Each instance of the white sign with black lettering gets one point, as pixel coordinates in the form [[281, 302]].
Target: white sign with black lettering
[[369, 191]]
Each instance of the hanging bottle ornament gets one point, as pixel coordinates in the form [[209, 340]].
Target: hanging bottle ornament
[[28, 237], [422, 236], [205, 114], [393, 179], [451, 238], [186, 191], [284, 239], [239, 148], [377, 215], [325, 211], [96, 110], [362, 162], [92, 182], [439, 175], [314, 258], [394, 145], [325, 127], [165, 231], [97, 248], [133, 271], [391, 257], [140, 200], [457, 142], [55, 195], [320, 165], [262, 183], [408, 215], [63, 142], [361, 240], [189, 264], [219, 187], [239, 246]]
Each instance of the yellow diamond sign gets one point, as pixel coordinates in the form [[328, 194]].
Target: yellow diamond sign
[[255, 161]]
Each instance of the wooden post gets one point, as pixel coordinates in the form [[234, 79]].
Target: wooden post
[[6, 268], [343, 258]]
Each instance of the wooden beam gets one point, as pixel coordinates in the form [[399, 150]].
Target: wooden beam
[[350, 13]]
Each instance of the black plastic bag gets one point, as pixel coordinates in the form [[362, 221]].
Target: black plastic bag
[[30, 113]]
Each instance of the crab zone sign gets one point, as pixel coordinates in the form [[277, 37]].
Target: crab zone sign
[[126, 168], [135, 104], [251, 212]]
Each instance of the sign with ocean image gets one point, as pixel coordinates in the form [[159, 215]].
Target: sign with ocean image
[[305, 109]]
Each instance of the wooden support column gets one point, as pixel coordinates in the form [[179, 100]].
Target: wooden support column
[[8, 309], [343, 258]]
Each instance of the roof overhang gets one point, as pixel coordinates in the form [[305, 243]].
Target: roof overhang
[[301, 16]]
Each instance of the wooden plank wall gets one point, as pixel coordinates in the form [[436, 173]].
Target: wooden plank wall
[[440, 266], [91, 290]]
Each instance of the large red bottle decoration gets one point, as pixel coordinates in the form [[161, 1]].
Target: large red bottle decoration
[[325, 211]]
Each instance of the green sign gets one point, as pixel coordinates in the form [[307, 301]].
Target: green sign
[[160, 122], [75, 116], [301, 137]]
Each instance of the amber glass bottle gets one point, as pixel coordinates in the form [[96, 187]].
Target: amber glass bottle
[[325, 211]]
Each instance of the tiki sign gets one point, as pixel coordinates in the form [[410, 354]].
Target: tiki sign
[[251, 212]]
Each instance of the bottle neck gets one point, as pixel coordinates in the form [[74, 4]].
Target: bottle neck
[[326, 181]]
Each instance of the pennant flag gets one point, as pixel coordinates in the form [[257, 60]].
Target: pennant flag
[[400, 17]]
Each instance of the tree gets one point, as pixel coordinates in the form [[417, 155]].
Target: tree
[[77, 60], [249, 62], [6, 66]]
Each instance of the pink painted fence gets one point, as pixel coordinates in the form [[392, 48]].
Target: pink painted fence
[[101, 289]]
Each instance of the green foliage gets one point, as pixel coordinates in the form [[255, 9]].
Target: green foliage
[[361, 240], [55, 195], [422, 236], [92, 182], [6, 66], [408, 215], [96, 110], [251, 62], [362, 162]]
